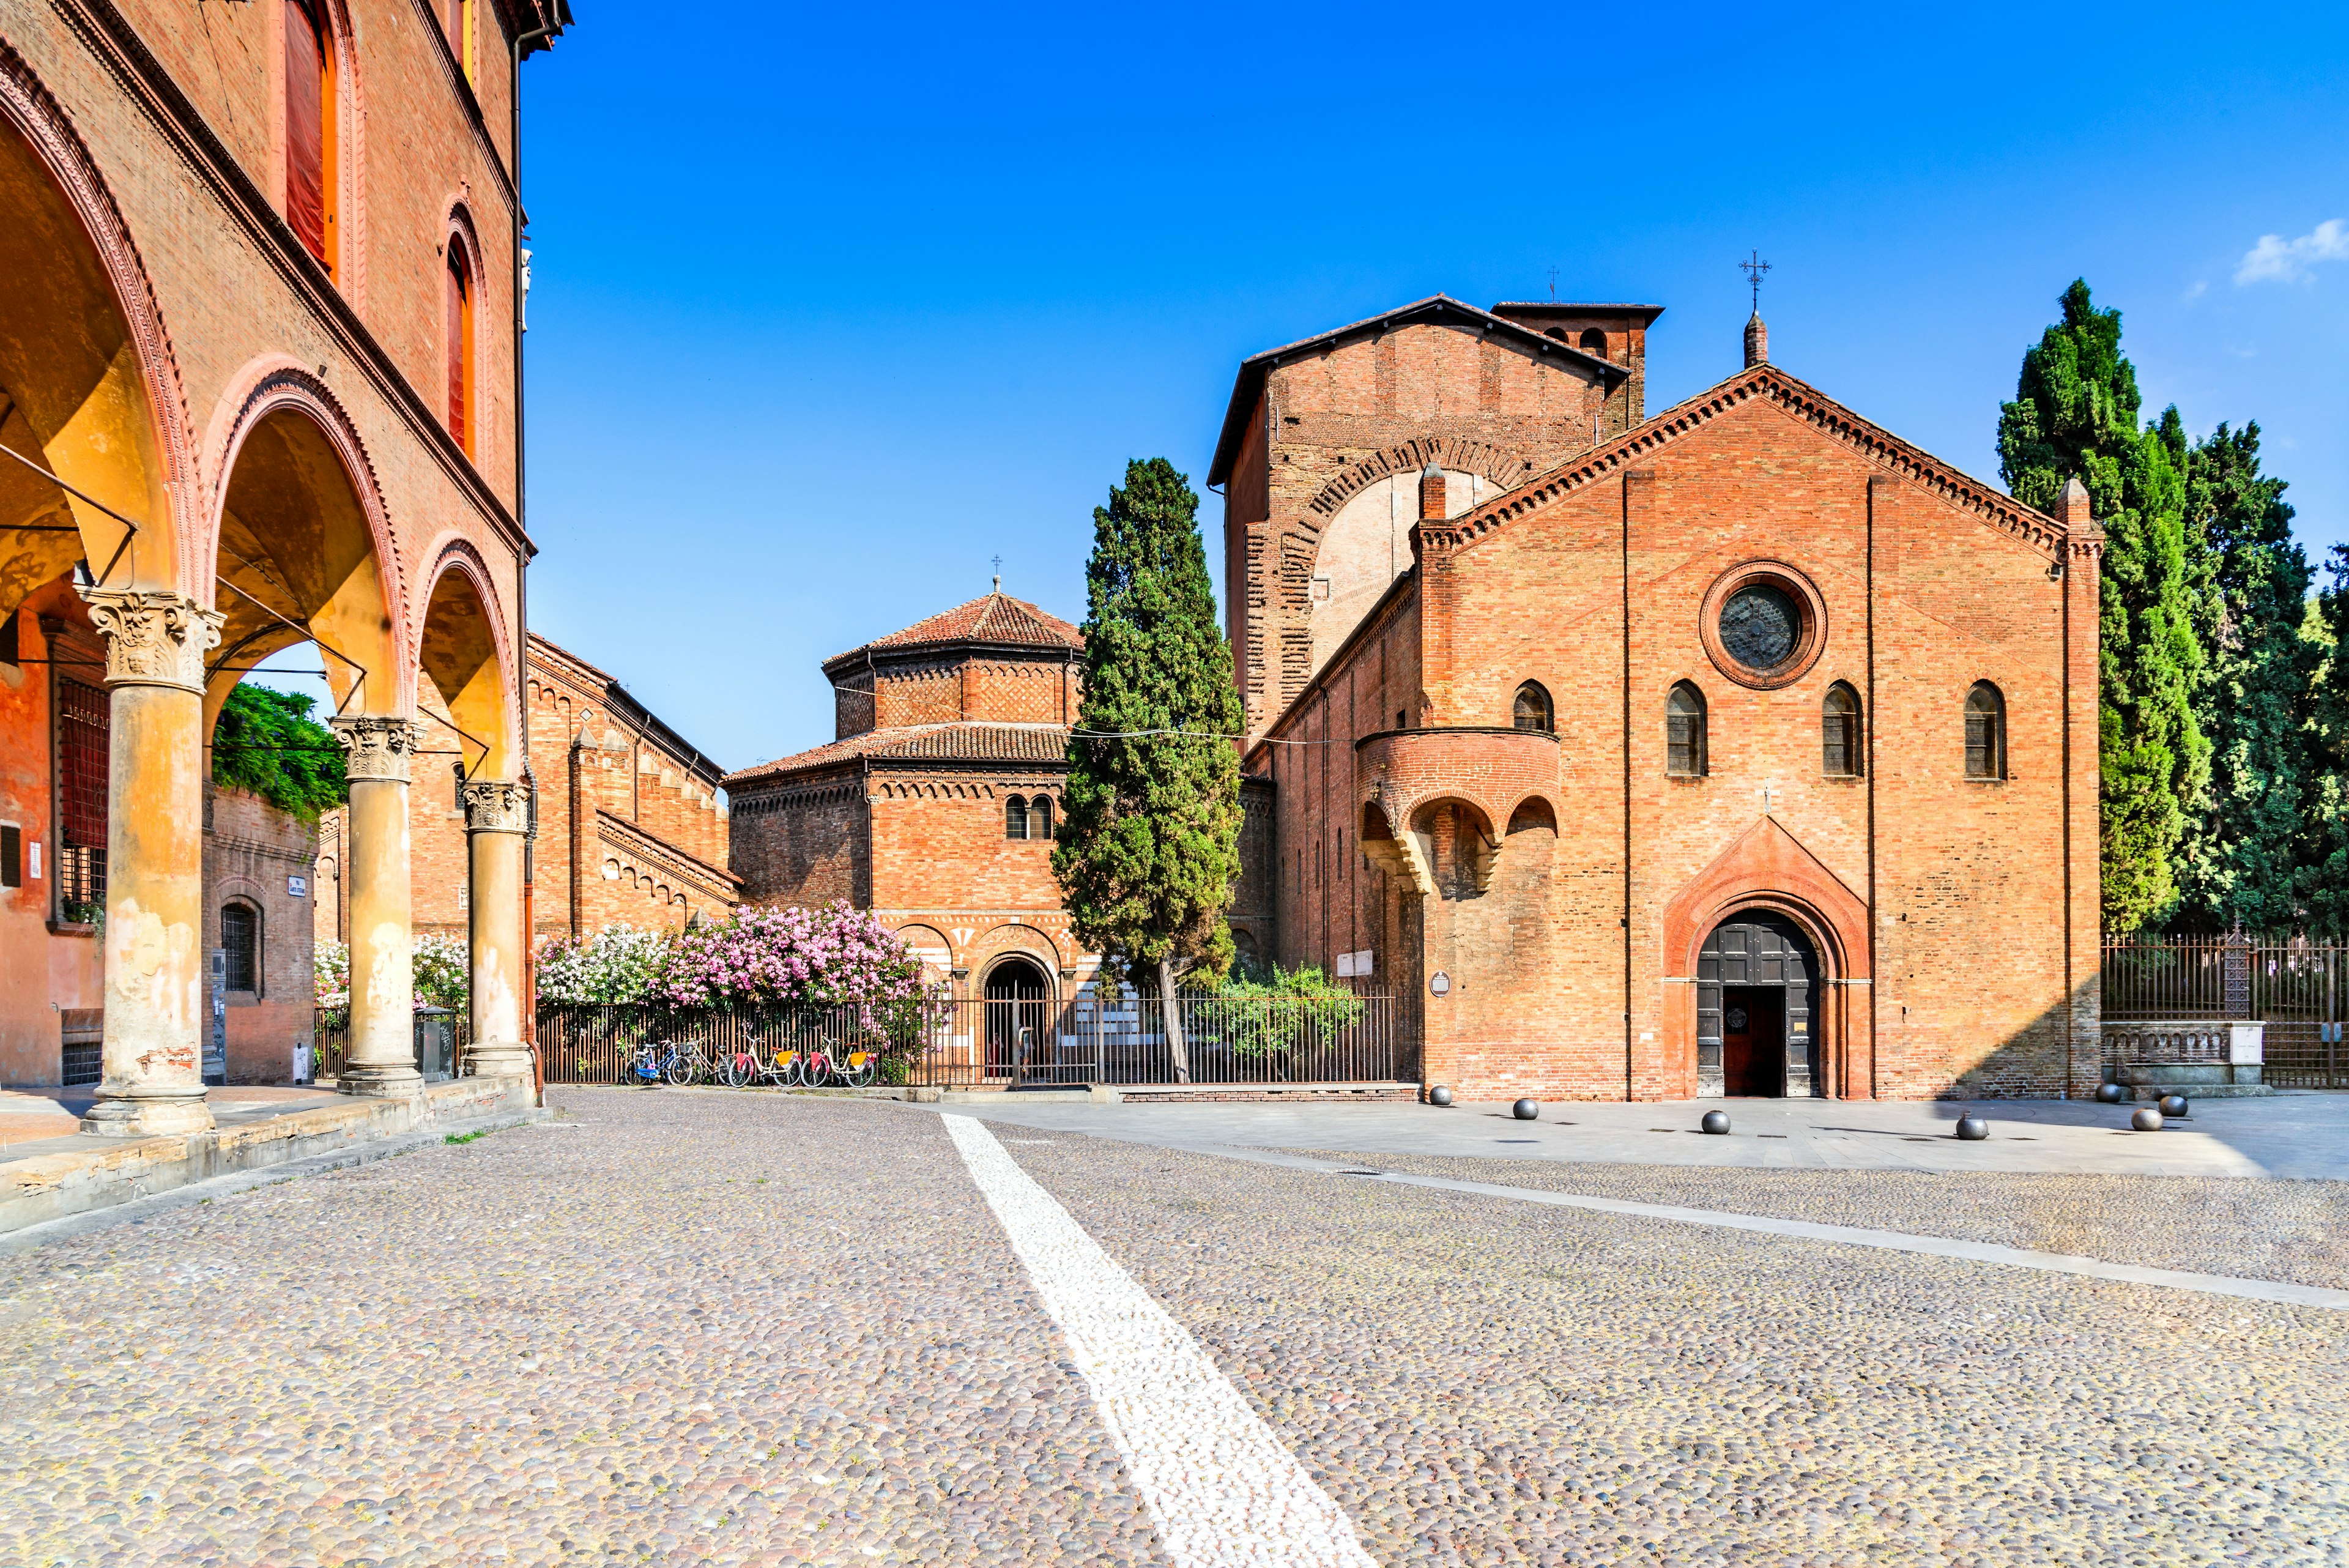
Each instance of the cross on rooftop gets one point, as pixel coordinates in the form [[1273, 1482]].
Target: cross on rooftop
[[1753, 268], [998, 574]]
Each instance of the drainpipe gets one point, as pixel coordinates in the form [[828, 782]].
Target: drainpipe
[[521, 566]]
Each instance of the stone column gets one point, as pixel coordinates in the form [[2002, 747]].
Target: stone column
[[155, 645], [497, 815], [381, 1057]]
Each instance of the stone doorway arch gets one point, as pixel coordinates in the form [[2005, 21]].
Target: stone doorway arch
[[1758, 1012]]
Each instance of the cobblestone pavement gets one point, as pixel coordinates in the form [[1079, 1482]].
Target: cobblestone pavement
[[615, 1342], [2291, 1231], [696, 1328]]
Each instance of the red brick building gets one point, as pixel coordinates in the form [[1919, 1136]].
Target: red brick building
[[631, 820], [260, 330], [935, 805], [1746, 749]]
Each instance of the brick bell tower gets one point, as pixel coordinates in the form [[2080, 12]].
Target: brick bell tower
[[1326, 443]]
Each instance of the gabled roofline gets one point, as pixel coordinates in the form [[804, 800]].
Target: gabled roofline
[[1249, 384], [1907, 460], [617, 700]]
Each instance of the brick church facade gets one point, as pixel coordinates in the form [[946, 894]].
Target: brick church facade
[[934, 805], [1746, 749]]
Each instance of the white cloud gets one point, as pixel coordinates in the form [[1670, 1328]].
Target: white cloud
[[2278, 259]]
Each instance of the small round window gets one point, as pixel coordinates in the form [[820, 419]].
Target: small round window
[[1761, 626]]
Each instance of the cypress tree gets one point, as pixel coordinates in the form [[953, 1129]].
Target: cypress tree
[[2075, 412], [2243, 852], [2326, 856], [1151, 845]]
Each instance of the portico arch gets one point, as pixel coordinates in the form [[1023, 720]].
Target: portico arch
[[87, 387], [97, 473], [468, 695], [302, 552]]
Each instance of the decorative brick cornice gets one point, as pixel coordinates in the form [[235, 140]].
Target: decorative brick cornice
[[153, 639], [1769, 384], [377, 748], [627, 838]]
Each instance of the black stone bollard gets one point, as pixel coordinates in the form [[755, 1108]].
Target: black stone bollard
[[2145, 1119], [1716, 1122], [2110, 1093], [1439, 1095], [1525, 1110], [2175, 1106], [1972, 1129]]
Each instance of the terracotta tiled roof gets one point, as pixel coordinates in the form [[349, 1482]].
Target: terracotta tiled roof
[[996, 617], [926, 743]]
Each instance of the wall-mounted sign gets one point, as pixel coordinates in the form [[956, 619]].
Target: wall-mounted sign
[[297, 886], [1440, 985]]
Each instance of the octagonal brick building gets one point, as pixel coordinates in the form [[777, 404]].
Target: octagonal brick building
[[935, 806]]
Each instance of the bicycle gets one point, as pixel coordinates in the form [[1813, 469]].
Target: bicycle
[[656, 1060], [740, 1068], [853, 1071]]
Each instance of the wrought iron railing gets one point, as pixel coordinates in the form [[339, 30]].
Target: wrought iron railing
[[2297, 986], [1010, 1042], [330, 1038]]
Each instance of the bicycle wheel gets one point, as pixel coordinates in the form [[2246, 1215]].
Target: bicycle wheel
[[736, 1069], [683, 1065], [856, 1068], [815, 1067]]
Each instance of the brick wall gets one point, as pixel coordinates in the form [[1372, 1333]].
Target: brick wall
[[251, 849], [1938, 901], [1490, 410]]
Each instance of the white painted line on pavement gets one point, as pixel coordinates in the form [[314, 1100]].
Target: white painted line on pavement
[[1223, 1490], [2278, 1291]]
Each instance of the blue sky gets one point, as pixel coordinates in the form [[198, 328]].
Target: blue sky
[[831, 308]]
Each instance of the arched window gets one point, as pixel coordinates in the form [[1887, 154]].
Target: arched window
[[310, 129], [1685, 738], [241, 939], [1039, 817], [1594, 343], [1985, 733], [1015, 818], [1534, 711], [460, 332], [1839, 743]]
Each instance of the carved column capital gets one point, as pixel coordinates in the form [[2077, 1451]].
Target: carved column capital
[[496, 805], [153, 637], [376, 747]]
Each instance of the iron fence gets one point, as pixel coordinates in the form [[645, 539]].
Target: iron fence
[[330, 1039], [1010, 1043], [2299, 987], [1349, 1037]]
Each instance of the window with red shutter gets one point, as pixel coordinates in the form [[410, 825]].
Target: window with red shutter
[[461, 343], [306, 127]]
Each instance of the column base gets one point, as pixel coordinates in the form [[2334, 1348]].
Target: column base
[[381, 1080], [129, 1116], [499, 1059]]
